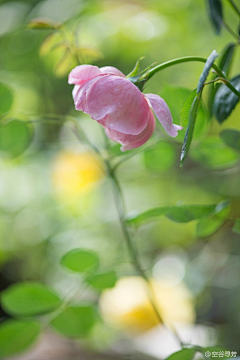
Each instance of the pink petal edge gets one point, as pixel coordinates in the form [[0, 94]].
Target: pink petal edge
[[163, 114], [82, 73]]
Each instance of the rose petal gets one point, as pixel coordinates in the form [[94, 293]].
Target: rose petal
[[110, 70], [80, 93], [82, 73], [163, 114], [133, 141], [119, 102]]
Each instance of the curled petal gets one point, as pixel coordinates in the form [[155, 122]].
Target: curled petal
[[82, 73], [110, 70], [80, 94], [163, 114], [133, 141], [120, 103]]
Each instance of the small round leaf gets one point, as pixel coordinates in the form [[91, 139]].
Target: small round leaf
[[103, 281], [17, 336], [29, 299], [15, 137], [80, 260], [75, 321], [6, 99]]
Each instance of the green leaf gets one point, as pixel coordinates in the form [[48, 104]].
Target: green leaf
[[225, 60], [225, 100], [185, 213], [80, 260], [17, 336], [15, 137], [136, 219], [75, 321], [178, 213], [184, 114], [236, 227], [189, 132], [29, 299], [103, 280], [6, 99], [134, 72], [214, 154], [160, 157], [184, 354], [43, 24], [215, 13], [210, 224], [206, 69], [231, 138], [175, 98]]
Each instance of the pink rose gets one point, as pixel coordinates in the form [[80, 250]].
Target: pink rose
[[118, 105]]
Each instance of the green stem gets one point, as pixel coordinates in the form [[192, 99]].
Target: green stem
[[227, 27], [189, 59], [131, 248], [182, 60], [234, 6]]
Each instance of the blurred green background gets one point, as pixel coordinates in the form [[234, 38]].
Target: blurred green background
[[55, 195]]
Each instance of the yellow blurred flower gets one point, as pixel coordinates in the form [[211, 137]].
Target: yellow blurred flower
[[127, 305], [75, 174]]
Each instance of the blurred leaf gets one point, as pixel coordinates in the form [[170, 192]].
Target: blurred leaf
[[225, 100], [231, 138], [43, 24], [75, 321], [29, 298], [16, 336], [80, 260], [178, 213], [184, 115], [51, 41], [189, 132], [215, 12], [214, 153], [184, 354], [225, 62], [206, 69], [15, 137], [160, 157], [86, 55], [103, 281], [65, 63], [175, 98], [210, 224], [236, 227], [136, 218], [187, 213], [6, 99], [226, 58]]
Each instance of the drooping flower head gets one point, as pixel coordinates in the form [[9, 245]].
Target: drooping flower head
[[118, 105]]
